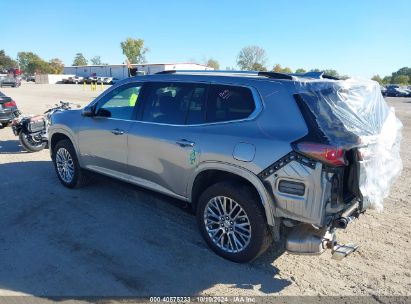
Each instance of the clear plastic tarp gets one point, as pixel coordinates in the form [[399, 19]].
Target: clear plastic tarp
[[352, 113]]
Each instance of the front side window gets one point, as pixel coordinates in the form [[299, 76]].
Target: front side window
[[227, 103], [120, 102], [174, 103]]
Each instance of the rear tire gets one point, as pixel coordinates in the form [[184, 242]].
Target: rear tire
[[242, 222], [29, 145], [66, 164]]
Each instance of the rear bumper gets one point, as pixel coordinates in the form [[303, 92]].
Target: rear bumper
[[7, 115], [306, 191]]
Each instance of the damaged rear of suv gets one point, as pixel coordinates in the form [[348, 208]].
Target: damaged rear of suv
[[260, 156], [343, 166]]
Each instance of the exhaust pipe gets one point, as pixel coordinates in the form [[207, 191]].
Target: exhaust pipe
[[343, 222], [346, 217]]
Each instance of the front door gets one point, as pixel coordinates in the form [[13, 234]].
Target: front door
[[103, 137]]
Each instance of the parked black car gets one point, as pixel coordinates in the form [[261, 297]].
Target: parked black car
[[394, 90], [11, 82], [8, 110]]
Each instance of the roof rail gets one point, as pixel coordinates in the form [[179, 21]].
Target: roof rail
[[275, 75], [228, 72], [330, 77], [166, 72], [316, 75], [209, 71]]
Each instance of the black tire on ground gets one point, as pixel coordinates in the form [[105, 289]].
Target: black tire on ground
[[80, 177], [28, 146], [3, 125], [245, 197]]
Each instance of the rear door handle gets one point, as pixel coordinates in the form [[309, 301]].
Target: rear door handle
[[117, 131], [185, 143]]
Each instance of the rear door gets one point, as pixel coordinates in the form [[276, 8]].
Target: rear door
[[164, 145], [103, 137]]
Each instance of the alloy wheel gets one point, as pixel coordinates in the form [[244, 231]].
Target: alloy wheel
[[65, 165], [227, 224]]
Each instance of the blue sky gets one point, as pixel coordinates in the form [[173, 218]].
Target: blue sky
[[358, 38]]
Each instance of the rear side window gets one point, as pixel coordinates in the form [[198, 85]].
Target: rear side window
[[174, 103], [227, 103]]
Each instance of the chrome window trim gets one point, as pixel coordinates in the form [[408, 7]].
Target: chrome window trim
[[257, 102]]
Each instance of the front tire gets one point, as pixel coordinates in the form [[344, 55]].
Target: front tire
[[232, 222], [66, 164], [30, 144]]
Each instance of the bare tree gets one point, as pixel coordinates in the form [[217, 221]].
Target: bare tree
[[252, 58], [96, 60]]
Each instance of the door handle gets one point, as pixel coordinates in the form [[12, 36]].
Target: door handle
[[185, 143], [117, 131]]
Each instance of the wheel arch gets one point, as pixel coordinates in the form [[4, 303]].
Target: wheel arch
[[58, 135], [208, 174]]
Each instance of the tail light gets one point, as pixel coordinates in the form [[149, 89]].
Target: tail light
[[10, 104], [327, 154]]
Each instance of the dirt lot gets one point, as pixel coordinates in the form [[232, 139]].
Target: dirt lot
[[113, 239]]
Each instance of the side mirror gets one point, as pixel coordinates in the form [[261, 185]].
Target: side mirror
[[87, 111], [104, 113]]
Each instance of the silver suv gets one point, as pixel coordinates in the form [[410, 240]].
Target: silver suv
[[254, 153]]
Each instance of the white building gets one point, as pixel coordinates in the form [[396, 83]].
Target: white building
[[49, 78], [120, 71]]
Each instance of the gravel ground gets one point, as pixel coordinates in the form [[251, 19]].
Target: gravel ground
[[114, 239]]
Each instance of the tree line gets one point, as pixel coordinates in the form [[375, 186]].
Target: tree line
[[254, 58], [251, 57], [401, 77], [30, 63]]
